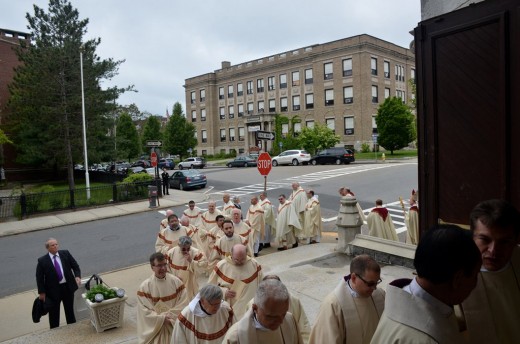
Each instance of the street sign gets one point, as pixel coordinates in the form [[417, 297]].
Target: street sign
[[154, 143], [264, 164], [374, 137], [153, 159], [264, 135]]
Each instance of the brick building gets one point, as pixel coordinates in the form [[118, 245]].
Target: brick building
[[340, 84]]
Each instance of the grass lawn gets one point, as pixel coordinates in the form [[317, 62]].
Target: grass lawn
[[397, 155]]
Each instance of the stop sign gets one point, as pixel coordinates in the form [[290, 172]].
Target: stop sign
[[264, 164], [153, 159]]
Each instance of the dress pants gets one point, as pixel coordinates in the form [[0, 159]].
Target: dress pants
[[68, 305]]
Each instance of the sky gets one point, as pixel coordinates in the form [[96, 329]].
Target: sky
[[164, 42]]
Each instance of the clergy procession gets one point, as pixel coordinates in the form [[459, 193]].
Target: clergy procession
[[466, 288]]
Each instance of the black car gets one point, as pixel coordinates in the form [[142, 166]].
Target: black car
[[185, 179], [242, 161], [141, 163], [335, 155]]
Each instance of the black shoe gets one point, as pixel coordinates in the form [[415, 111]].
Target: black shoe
[[260, 247], [256, 254], [267, 245], [295, 245]]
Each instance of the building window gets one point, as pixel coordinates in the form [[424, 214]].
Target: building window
[[330, 122], [347, 67], [241, 134], [297, 129], [202, 95], [329, 97], [308, 76], [296, 103], [412, 75], [222, 135], [387, 92], [204, 136], [261, 106], [309, 124], [241, 151], [373, 65], [348, 95], [240, 90], [349, 125], [272, 105], [240, 110], [194, 116], [387, 69], [283, 81], [193, 97], [327, 71], [401, 95], [250, 108], [231, 134], [230, 91], [296, 78], [231, 111], [221, 93], [309, 101], [283, 104], [250, 87], [399, 73], [374, 94], [374, 125], [222, 112], [259, 85], [270, 83], [285, 129], [203, 115]]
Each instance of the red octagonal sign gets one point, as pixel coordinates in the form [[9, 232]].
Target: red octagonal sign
[[264, 164], [153, 159]]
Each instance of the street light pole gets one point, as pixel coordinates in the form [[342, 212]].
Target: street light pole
[[87, 180]]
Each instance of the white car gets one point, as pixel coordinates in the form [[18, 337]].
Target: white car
[[293, 157]]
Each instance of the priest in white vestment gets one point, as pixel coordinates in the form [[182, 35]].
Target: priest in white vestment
[[197, 235], [169, 236], [351, 312], [421, 310], [205, 320], [160, 299], [209, 217], [255, 220], [312, 224], [380, 223], [287, 225], [346, 192], [298, 201], [492, 310], [238, 276], [243, 230], [224, 245], [164, 222], [228, 206], [194, 214], [185, 262], [411, 219], [269, 218], [268, 321]]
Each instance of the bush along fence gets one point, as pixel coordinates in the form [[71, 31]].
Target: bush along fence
[[28, 204]]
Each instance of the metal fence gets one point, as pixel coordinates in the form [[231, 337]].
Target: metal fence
[[28, 204]]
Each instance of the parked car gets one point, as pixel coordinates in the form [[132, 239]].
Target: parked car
[[141, 163], [194, 162], [120, 168], [335, 155], [150, 171], [242, 161], [167, 163], [186, 179], [137, 169], [291, 157]]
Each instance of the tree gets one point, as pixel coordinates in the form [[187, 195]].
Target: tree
[[127, 138], [45, 103], [288, 141], [394, 124], [179, 135], [151, 130], [317, 138]]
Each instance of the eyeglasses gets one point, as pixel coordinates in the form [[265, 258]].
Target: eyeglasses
[[370, 284]]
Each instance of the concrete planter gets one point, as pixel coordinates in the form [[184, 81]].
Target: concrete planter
[[106, 314]]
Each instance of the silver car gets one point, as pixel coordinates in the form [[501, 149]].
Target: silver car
[[293, 157]]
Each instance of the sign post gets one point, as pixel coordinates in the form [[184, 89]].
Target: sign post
[[264, 166], [374, 139]]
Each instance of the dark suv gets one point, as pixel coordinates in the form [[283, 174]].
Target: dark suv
[[335, 155]]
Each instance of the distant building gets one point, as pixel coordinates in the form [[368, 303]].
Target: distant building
[[340, 84]]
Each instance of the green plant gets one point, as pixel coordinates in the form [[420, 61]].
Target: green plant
[[138, 177], [365, 147], [107, 292]]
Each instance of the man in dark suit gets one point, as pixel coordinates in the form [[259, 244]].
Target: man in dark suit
[[58, 276]]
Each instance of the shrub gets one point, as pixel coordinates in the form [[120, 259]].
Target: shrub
[[138, 177], [365, 147]]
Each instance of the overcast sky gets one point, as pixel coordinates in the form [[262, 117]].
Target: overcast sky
[[166, 41]]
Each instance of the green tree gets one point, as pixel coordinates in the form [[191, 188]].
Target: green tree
[[127, 138], [151, 130], [288, 141], [179, 134], [45, 103], [394, 124], [317, 138]]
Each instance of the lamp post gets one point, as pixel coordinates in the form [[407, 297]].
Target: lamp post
[[87, 180]]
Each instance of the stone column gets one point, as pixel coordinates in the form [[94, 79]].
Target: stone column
[[348, 223]]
